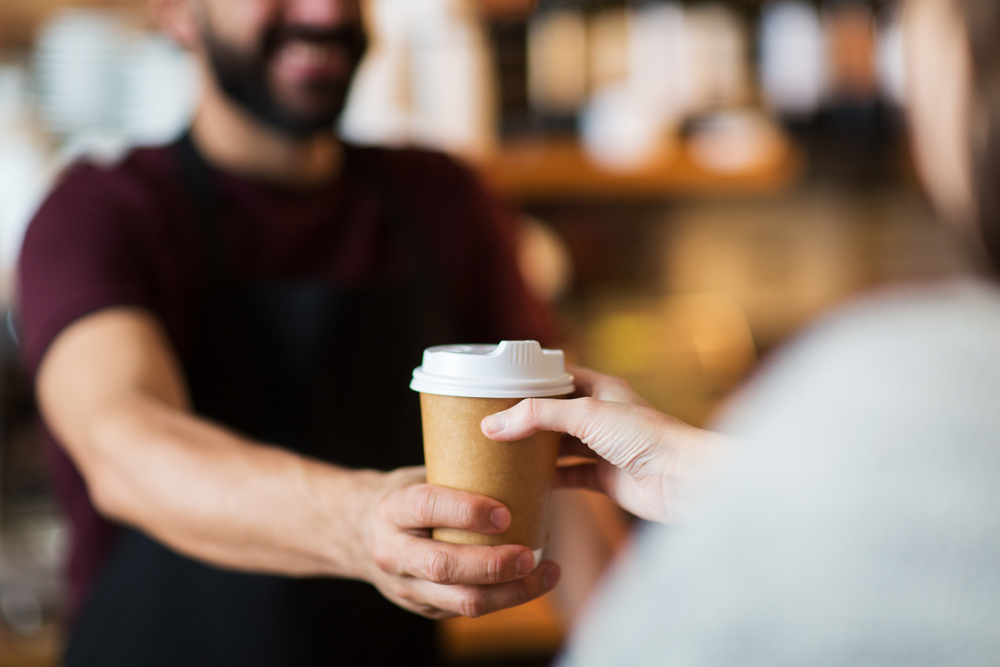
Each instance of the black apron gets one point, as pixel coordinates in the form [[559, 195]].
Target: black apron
[[323, 372]]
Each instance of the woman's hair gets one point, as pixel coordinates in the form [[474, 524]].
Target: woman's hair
[[983, 23]]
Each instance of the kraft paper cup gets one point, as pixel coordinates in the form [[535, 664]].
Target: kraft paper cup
[[459, 385]]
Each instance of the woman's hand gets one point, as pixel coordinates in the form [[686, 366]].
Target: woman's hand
[[438, 579], [648, 462]]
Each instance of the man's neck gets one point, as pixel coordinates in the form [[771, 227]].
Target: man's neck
[[231, 139]]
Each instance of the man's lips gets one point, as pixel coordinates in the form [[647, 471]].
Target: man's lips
[[309, 59]]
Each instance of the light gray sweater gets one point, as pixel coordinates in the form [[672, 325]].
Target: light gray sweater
[[861, 523]]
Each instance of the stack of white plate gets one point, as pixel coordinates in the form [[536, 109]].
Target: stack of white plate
[[77, 56], [160, 86], [24, 167], [100, 82], [426, 80], [792, 57]]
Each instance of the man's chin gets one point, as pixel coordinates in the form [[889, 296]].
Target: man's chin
[[305, 112], [292, 124], [302, 128], [299, 121]]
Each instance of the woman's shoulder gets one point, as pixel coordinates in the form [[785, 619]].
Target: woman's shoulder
[[917, 309], [913, 322], [915, 343]]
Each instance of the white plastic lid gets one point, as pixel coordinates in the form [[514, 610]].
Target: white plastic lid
[[512, 369]]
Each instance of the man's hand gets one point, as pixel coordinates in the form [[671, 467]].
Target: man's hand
[[437, 579], [648, 462], [111, 390]]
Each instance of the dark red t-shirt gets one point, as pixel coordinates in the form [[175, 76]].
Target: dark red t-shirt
[[128, 235]]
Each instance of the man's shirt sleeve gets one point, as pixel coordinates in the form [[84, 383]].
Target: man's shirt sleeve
[[80, 254]]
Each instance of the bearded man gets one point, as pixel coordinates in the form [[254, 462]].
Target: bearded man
[[220, 332]]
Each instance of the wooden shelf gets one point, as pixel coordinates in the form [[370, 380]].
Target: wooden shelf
[[21, 19], [558, 169], [506, 10]]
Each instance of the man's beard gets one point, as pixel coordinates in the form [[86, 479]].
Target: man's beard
[[243, 77]]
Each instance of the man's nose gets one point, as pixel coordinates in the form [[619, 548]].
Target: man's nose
[[322, 12]]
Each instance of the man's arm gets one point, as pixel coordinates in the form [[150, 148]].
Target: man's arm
[[111, 390]]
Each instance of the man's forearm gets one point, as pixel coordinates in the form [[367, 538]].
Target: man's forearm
[[216, 496]]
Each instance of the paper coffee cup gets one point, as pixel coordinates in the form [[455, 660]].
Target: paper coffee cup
[[459, 385]]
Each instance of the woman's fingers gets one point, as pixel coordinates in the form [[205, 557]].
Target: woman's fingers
[[615, 431], [627, 436], [542, 414], [574, 416], [604, 387]]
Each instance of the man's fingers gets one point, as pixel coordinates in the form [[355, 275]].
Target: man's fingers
[[428, 506], [474, 601], [444, 563]]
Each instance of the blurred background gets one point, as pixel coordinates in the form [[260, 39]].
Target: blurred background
[[698, 180]]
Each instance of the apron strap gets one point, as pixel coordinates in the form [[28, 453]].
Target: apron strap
[[432, 290], [198, 178]]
